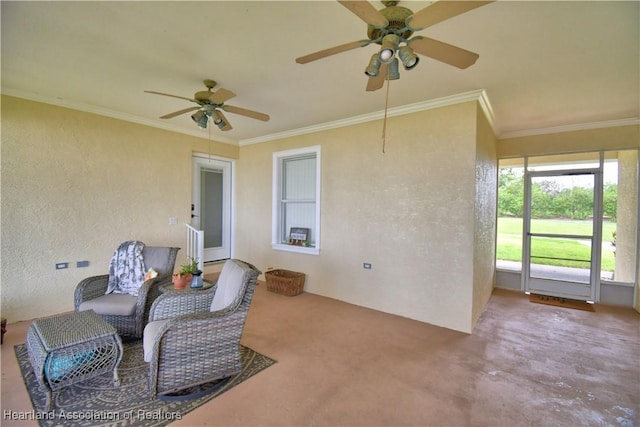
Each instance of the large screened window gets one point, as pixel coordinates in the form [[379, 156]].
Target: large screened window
[[561, 207], [296, 200]]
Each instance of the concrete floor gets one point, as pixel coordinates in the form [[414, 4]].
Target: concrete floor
[[338, 364]]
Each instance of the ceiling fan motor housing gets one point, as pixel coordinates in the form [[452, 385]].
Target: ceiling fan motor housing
[[202, 96], [397, 17]]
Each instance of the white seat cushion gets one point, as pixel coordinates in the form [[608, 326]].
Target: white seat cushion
[[149, 337], [113, 304], [229, 285]]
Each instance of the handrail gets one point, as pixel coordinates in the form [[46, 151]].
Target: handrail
[[195, 245]]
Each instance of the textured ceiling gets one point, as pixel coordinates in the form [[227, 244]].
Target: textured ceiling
[[543, 64]]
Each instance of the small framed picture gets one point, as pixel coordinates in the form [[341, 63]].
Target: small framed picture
[[298, 236]]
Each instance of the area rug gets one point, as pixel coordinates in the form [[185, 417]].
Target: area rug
[[97, 402], [561, 302]]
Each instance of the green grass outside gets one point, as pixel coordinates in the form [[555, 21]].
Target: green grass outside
[[509, 245]]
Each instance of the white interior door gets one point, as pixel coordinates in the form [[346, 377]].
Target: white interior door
[[211, 207]]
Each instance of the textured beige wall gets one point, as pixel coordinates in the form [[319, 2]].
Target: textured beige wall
[[75, 185], [409, 212], [627, 216], [627, 246], [610, 138], [486, 197]]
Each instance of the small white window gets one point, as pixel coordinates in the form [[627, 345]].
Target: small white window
[[296, 200]]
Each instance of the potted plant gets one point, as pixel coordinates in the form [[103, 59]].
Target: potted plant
[[183, 277]]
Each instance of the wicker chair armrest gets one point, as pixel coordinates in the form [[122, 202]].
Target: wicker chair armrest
[[144, 289], [173, 304], [212, 327], [153, 290], [90, 288], [147, 289], [145, 292], [212, 317]]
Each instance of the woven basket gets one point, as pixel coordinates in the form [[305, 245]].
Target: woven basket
[[285, 282]]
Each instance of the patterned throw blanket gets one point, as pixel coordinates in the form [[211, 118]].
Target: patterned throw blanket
[[126, 269]]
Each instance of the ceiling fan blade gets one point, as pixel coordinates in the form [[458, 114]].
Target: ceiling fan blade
[[441, 11], [177, 113], [365, 11], [377, 82], [227, 124], [173, 96], [248, 113], [443, 52], [221, 95], [332, 51]]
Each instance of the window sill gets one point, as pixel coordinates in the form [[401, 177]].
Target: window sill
[[297, 249]]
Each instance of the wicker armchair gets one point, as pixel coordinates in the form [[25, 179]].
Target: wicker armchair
[[128, 314], [193, 337]]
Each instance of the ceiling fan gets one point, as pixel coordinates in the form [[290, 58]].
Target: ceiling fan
[[210, 105], [392, 28]]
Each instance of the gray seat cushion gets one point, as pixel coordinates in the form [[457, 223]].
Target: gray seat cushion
[[150, 332], [113, 304]]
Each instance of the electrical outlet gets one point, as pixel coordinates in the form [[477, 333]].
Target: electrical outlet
[[366, 266], [173, 220], [62, 265]]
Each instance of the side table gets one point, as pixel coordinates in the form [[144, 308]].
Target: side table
[[168, 287], [199, 299], [69, 348]]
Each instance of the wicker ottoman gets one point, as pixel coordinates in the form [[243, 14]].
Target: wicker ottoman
[[70, 348]]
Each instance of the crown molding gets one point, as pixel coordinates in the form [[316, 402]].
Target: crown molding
[[476, 95], [110, 113], [571, 128]]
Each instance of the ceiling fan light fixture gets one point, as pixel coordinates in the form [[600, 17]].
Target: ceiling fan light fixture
[[216, 118], [373, 68], [386, 55], [221, 125], [393, 73], [389, 45], [408, 57], [201, 118]]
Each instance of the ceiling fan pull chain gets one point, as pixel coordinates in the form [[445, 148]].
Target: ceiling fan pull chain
[[384, 123], [210, 141]]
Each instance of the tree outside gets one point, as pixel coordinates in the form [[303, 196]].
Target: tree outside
[[549, 200], [567, 210]]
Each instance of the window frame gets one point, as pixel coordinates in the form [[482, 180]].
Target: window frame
[[277, 187], [602, 157]]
